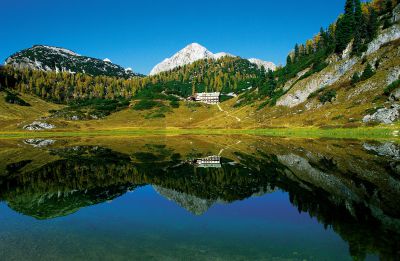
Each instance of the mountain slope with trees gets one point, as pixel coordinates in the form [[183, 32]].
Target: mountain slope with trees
[[346, 75], [49, 58]]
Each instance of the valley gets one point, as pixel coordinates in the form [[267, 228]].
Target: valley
[[322, 86]]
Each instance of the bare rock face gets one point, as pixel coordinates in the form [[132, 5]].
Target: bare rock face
[[396, 13], [260, 63], [388, 149], [384, 115], [39, 143], [347, 52], [301, 167], [289, 83], [390, 34], [193, 204], [394, 75], [395, 95], [37, 125], [315, 83]]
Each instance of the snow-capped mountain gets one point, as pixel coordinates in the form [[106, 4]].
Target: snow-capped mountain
[[49, 58], [260, 63], [187, 55], [194, 52], [222, 54]]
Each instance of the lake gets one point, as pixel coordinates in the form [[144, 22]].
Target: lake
[[199, 197]]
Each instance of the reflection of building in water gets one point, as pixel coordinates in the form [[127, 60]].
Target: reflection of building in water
[[208, 162]]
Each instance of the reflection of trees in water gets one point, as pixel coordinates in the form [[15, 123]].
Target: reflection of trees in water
[[86, 176], [90, 175]]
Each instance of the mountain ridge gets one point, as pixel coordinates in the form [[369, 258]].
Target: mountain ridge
[[51, 58], [194, 52]]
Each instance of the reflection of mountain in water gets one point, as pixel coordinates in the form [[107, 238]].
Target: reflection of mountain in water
[[193, 204], [355, 192]]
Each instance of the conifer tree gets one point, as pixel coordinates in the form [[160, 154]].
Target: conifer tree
[[388, 6], [367, 73], [296, 52], [372, 25], [360, 29], [288, 60], [345, 27]]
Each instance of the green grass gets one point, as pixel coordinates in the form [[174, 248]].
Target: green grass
[[356, 133], [143, 105]]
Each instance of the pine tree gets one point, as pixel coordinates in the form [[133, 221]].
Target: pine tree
[[355, 79], [367, 73], [288, 60], [388, 6], [296, 53], [324, 39], [360, 29], [372, 25], [345, 27]]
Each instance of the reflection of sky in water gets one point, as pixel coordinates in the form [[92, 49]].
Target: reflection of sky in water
[[145, 225]]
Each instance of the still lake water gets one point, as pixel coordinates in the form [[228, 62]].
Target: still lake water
[[199, 198]]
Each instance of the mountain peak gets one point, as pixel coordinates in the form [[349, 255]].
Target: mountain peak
[[50, 58], [194, 52], [195, 45], [54, 49], [191, 53], [261, 63]]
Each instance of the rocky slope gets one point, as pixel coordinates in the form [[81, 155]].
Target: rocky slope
[[48, 58], [193, 204], [194, 52]]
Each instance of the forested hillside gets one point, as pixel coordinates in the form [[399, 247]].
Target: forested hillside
[[356, 56]]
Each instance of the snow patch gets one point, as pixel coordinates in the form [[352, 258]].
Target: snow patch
[[194, 52], [57, 49], [260, 63]]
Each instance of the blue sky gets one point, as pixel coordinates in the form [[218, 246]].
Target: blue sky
[[139, 34]]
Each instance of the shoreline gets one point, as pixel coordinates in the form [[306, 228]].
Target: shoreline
[[363, 133]]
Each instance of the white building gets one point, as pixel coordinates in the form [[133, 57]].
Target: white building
[[209, 162], [207, 97]]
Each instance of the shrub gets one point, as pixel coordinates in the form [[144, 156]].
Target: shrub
[[263, 104], [89, 109], [316, 93], [367, 73], [143, 105], [155, 115], [341, 116], [355, 79], [223, 98], [193, 104], [327, 96], [174, 104], [14, 99], [391, 87], [364, 60]]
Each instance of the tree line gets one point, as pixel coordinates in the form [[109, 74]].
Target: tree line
[[359, 24]]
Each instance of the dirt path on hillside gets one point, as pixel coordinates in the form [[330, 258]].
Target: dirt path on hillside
[[227, 113]]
